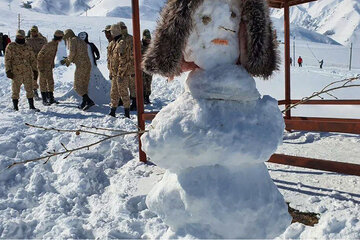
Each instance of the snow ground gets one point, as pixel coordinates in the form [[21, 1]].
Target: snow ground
[[100, 192]]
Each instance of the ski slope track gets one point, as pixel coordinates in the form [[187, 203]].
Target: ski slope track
[[100, 192]]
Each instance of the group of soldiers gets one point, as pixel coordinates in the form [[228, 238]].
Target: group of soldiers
[[121, 68], [31, 58]]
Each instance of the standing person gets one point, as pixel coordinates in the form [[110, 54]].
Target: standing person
[[20, 66], [45, 61], [290, 61], [321, 63], [95, 54], [300, 61], [117, 64], [108, 33], [147, 79], [6, 41], [79, 55], [130, 72], [36, 41], [1, 44]]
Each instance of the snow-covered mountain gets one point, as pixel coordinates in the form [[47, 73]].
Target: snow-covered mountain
[[338, 19]]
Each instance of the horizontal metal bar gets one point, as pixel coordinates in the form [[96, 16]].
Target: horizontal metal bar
[[318, 164], [324, 102], [148, 116], [340, 126]]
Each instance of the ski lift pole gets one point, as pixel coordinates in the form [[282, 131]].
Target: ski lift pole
[[351, 47], [138, 72]]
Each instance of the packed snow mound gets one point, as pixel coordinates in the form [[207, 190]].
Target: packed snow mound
[[64, 7], [221, 202], [339, 19], [149, 9]]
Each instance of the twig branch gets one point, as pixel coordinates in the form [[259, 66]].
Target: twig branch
[[326, 90], [67, 130], [104, 129], [68, 152]]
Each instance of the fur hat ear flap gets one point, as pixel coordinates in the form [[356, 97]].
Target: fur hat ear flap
[[165, 52], [258, 45]]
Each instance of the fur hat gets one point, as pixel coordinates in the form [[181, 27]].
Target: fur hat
[[165, 52], [68, 34], [115, 30]]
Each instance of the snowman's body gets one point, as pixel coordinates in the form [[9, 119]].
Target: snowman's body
[[214, 139]]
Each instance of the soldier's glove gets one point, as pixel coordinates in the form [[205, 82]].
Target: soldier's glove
[[67, 62], [110, 77], [62, 62], [9, 74], [36, 74]]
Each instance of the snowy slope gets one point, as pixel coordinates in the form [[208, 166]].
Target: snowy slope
[[339, 19], [100, 192]]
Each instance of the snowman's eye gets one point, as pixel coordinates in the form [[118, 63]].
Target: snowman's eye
[[206, 20], [233, 15]]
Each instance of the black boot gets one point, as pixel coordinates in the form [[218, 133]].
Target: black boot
[[51, 98], [120, 102], [133, 104], [16, 104], [45, 101], [127, 112], [147, 100], [83, 103], [112, 112], [31, 105], [88, 102], [36, 95]]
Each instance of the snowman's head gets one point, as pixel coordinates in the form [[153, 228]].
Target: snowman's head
[[210, 33], [214, 39]]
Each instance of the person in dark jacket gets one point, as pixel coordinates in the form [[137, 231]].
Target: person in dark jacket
[[95, 51], [1, 44], [6, 41]]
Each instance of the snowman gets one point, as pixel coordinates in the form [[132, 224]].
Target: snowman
[[213, 140]]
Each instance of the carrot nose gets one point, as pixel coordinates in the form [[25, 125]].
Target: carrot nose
[[219, 41]]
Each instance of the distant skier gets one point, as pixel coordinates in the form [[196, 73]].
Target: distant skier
[[300, 61], [290, 61], [321, 63]]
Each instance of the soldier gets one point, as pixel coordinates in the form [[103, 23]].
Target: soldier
[[36, 41], [147, 79], [108, 33], [117, 63], [79, 55], [130, 71], [20, 66], [45, 61]]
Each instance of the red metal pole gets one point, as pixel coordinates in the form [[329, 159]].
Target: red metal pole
[[138, 72], [287, 58]]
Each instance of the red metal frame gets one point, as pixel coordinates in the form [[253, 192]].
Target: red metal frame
[[292, 123]]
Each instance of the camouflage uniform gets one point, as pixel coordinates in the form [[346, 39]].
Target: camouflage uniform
[[129, 71], [119, 84], [36, 43], [45, 65], [147, 79], [20, 60], [79, 55]]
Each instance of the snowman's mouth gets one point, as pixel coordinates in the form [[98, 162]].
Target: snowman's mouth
[[220, 41]]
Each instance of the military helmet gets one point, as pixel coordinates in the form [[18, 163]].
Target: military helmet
[[20, 33], [59, 33], [115, 30], [34, 29], [146, 34], [107, 28]]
